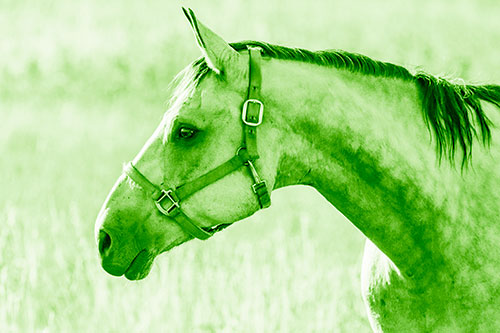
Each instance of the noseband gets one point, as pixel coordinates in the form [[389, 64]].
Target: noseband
[[168, 201]]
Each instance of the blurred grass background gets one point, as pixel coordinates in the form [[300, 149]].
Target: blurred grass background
[[83, 85]]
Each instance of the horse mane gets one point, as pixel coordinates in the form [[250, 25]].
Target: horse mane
[[451, 110]]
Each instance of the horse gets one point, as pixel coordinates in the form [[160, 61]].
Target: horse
[[411, 159]]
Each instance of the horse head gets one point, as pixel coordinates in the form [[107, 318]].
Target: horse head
[[200, 170]]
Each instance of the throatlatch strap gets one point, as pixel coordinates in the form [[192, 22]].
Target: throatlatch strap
[[253, 112]]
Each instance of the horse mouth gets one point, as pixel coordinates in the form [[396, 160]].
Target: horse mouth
[[140, 267]]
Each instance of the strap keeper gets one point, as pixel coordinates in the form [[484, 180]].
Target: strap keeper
[[258, 186], [260, 189]]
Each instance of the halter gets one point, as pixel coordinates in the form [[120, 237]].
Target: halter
[[168, 201]]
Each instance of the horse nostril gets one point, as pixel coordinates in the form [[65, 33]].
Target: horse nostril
[[104, 242]]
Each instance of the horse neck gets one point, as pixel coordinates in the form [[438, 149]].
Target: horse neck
[[362, 143]]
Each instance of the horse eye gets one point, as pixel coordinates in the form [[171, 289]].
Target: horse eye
[[186, 133]]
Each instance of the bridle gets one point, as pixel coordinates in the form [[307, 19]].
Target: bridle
[[168, 201]]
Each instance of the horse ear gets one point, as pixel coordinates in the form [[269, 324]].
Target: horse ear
[[217, 52]]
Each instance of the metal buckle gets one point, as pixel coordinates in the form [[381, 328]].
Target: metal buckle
[[254, 172], [258, 185], [166, 194], [244, 113]]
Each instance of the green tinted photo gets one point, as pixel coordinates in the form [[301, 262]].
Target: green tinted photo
[[250, 166]]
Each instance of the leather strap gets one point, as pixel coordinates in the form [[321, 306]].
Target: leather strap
[[253, 115], [157, 195], [254, 110], [168, 201], [130, 170], [187, 225], [210, 177], [173, 197]]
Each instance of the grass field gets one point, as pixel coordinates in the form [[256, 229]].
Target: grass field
[[83, 85]]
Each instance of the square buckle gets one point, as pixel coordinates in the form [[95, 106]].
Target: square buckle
[[166, 194], [258, 186], [245, 109]]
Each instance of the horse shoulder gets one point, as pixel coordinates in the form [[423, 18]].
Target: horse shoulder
[[382, 292]]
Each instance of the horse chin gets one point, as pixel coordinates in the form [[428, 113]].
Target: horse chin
[[140, 267]]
